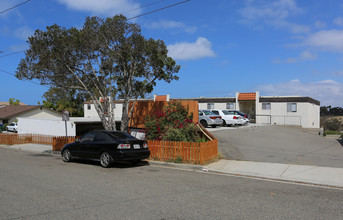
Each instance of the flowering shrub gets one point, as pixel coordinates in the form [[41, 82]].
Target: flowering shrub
[[172, 124]]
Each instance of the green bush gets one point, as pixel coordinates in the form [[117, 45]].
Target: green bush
[[173, 123], [333, 125]]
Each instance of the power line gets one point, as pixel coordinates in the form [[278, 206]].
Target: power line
[[24, 80], [160, 9], [12, 53], [1, 12], [144, 6]]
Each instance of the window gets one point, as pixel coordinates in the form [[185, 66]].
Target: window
[[88, 106], [210, 106], [87, 138], [215, 112], [266, 106], [291, 107], [230, 105]]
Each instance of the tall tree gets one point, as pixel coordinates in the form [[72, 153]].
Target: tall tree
[[61, 99], [106, 58]]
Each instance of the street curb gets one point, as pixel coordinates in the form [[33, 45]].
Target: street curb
[[274, 179], [192, 167]]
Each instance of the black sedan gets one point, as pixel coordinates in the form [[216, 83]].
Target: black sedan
[[106, 146]]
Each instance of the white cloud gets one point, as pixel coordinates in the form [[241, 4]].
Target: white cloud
[[329, 40], [303, 56], [191, 51], [338, 21], [274, 14], [320, 24], [23, 32], [163, 24], [104, 7], [328, 92]]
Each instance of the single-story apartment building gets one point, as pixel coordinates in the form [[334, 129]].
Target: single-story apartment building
[[279, 110]]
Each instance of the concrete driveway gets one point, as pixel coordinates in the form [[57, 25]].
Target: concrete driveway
[[279, 144]]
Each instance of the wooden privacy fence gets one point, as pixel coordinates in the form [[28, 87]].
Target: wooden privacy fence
[[189, 152], [10, 139], [59, 142]]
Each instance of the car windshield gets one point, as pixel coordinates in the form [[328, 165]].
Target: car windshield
[[119, 135], [206, 112]]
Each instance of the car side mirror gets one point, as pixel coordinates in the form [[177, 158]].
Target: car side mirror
[[77, 140]]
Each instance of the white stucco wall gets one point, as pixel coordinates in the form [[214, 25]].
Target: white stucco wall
[[54, 127], [92, 113], [221, 106], [307, 115]]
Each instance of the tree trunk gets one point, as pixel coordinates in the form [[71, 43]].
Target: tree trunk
[[125, 117]]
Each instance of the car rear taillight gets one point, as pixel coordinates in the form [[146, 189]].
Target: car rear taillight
[[123, 146], [145, 145], [215, 117], [245, 116], [234, 117]]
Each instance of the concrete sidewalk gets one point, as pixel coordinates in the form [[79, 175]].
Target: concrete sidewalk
[[324, 176], [38, 148]]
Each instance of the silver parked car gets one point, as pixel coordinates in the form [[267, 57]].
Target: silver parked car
[[208, 118], [229, 117]]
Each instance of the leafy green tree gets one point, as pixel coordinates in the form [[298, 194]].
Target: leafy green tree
[[107, 58], [13, 101], [61, 99]]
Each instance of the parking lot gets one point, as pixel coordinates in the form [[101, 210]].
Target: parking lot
[[278, 144]]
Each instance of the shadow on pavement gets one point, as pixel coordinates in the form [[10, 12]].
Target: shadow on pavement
[[117, 164]]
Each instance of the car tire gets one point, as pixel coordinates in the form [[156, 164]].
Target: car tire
[[66, 155], [224, 123], [204, 123], [106, 160]]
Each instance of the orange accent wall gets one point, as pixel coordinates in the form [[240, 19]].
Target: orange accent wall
[[144, 108], [161, 98]]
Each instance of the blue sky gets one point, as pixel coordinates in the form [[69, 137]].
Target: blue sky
[[277, 47]]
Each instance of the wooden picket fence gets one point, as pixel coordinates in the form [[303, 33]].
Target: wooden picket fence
[[59, 142], [10, 139], [186, 152]]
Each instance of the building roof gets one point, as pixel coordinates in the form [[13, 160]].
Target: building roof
[[289, 99], [247, 96], [9, 111]]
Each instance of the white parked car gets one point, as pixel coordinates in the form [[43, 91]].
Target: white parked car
[[12, 127], [206, 118], [229, 118]]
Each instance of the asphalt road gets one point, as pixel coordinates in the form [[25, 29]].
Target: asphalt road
[[279, 144], [41, 186]]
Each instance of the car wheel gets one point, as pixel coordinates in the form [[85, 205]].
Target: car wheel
[[106, 160], [204, 123], [66, 155], [224, 123], [213, 126]]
